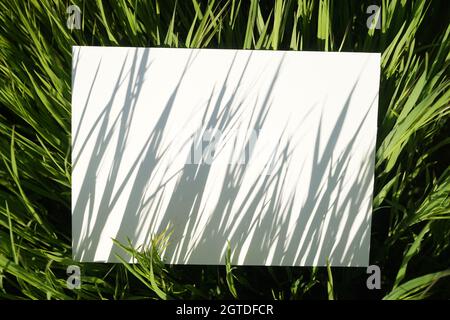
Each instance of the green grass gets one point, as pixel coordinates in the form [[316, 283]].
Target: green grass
[[410, 227]]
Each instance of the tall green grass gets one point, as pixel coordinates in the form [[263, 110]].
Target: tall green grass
[[410, 229]]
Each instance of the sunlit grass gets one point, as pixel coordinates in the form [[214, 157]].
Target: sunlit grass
[[410, 229]]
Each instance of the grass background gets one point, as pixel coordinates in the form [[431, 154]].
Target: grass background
[[410, 229]]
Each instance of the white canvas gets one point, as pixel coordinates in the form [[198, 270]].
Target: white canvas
[[269, 151]]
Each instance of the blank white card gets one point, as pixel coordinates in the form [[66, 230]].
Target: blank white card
[[271, 152]]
